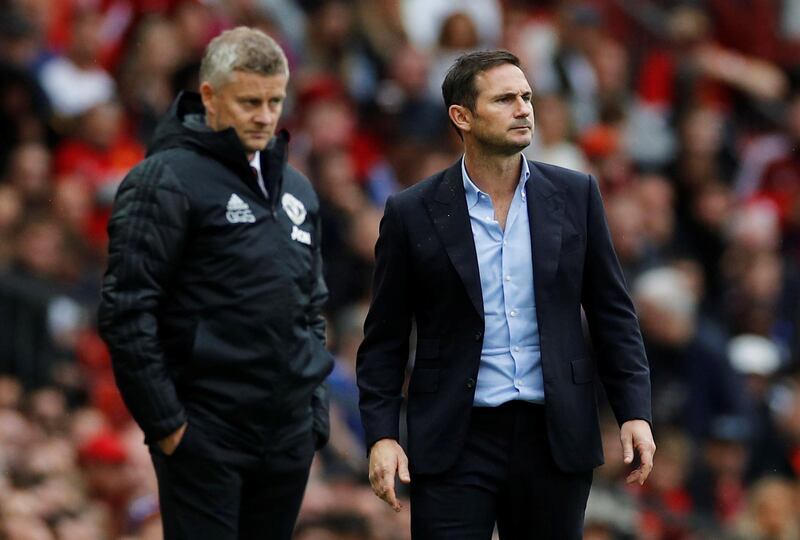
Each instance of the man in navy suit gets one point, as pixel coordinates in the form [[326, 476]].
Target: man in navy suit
[[493, 259]]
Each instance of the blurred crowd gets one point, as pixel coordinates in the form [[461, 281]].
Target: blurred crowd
[[687, 112]]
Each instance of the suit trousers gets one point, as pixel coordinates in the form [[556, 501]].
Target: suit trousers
[[506, 476], [206, 498]]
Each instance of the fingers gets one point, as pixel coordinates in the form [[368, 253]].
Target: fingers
[[387, 459], [170, 443], [626, 437], [389, 495], [646, 450], [637, 433], [381, 479], [405, 476]]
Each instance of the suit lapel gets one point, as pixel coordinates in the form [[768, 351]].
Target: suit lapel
[[448, 210], [545, 215]]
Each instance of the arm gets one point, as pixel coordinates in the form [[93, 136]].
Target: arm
[[147, 231], [382, 358], [613, 325], [617, 341], [320, 402]]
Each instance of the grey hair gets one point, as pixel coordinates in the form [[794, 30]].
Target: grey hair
[[241, 49], [668, 288]]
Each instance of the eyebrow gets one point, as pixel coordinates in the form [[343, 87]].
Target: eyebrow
[[526, 93]]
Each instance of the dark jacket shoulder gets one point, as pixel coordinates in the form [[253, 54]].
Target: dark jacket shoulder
[[300, 186]]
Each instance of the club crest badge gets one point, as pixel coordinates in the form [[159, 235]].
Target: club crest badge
[[293, 208]]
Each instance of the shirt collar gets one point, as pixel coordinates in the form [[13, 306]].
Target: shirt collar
[[473, 192], [256, 162]]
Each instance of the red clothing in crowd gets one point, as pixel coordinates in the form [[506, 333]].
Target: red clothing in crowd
[[781, 184], [102, 169]]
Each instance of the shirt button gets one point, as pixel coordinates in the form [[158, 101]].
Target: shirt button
[[508, 278], [513, 313], [505, 243], [519, 382], [516, 349]]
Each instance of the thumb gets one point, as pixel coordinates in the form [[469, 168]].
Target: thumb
[[402, 470], [627, 447]]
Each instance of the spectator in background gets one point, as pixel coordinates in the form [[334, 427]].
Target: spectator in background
[[692, 379], [74, 82], [656, 198], [717, 480], [41, 321], [569, 71], [18, 39], [757, 360], [424, 19], [771, 512], [405, 100], [28, 171], [99, 153], [626, 223], [552, 139], [457, 35], [760, 284], [11, 206], [153, 55], [667, 508], [381, 23], [781, 180], [333, 48]]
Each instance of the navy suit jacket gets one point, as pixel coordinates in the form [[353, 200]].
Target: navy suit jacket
[[427, 270]]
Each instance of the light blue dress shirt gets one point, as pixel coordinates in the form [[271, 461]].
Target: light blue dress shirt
[[511, 361]]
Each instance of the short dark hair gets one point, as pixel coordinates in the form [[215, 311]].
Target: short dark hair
[[459, 88]]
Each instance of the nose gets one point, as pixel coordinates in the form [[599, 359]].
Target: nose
[[264, 115], [523, 108]]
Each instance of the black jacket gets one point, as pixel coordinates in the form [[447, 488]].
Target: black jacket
[[211, 304], [426, 269]]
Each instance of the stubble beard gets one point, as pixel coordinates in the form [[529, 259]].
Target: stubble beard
[[501, 146]]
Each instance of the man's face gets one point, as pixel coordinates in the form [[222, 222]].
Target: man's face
[[503, 115], [249, 103]]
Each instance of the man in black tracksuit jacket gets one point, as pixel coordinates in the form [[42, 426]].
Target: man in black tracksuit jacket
[[211, 308]]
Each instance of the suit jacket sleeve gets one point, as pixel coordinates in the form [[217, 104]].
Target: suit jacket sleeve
[[613, 325], [383, 354], [147, 231], [320, 403]]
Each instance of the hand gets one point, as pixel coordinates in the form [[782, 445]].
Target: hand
[[169, 443], [636, 435], [387, 458]]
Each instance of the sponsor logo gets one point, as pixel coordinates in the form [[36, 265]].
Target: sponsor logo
[[298, 234], [238, 211]]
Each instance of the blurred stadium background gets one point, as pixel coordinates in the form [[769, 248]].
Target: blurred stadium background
[[687, 111]]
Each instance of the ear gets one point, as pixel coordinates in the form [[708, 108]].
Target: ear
[[461, 117], [207, 94]]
